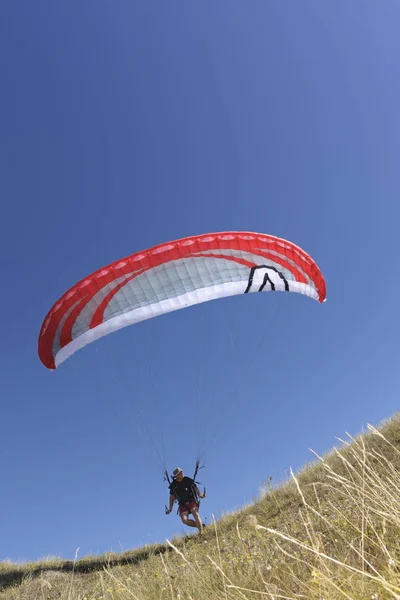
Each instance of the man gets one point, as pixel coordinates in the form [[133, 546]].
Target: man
[[185, 490]]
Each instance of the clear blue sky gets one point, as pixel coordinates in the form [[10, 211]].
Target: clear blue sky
[[127, 124]]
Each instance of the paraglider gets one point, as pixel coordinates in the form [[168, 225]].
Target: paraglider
[[184, 490], [169, 277]]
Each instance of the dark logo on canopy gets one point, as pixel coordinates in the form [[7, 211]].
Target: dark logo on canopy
[[261, 276]]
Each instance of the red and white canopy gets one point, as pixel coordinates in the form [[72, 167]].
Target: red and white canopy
[[172, 276]]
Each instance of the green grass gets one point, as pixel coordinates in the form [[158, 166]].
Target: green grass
[[331, 532]]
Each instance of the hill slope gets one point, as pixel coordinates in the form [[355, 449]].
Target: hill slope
[[331, 532]]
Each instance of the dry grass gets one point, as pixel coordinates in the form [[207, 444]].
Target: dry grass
[[332, 532]]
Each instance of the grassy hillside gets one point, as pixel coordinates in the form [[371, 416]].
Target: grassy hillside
[[332, 532]]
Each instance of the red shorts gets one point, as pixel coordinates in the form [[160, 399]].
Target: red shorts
[[188, 507]]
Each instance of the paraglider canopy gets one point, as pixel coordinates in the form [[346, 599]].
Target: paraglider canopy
[[172, 276]]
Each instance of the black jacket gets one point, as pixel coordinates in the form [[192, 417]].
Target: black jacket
[[183, 490]]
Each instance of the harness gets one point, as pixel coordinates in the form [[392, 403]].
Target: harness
[[192, 487]]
